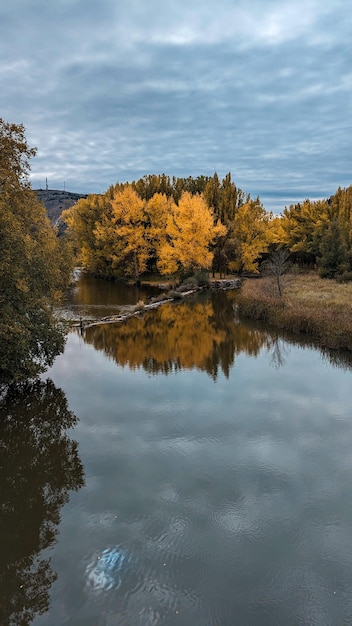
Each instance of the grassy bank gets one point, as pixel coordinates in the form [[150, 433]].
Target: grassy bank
[[319, 307]]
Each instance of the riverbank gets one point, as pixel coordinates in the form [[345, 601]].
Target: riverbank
[[310, 304], [168, 292]]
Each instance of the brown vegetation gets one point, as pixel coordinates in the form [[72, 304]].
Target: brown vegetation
[[310, 304]]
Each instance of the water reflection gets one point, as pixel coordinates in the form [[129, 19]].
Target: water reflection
[[199, 333], [92, 297], [39, 466]]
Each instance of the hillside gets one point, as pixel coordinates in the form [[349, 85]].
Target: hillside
[[56, 201]]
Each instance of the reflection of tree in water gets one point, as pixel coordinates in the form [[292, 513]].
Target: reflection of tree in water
[[201, 333], [39, 465], [278, 349]]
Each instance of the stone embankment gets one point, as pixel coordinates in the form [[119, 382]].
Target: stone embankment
[[234, 283]]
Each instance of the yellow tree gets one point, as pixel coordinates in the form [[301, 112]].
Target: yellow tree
[[82, 220], [276, 231], [190, 231], [123, 235], [251, 235], [158, 209]]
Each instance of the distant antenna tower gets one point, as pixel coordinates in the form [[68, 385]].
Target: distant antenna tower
[[46, 183], [64, 186]]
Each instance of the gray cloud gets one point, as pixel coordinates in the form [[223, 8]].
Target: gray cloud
[[114, 90]]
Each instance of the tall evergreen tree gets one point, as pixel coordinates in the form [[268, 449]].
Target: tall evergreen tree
[[333, 256]]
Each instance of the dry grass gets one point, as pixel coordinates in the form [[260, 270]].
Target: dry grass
[[311, 288], [310, 304]]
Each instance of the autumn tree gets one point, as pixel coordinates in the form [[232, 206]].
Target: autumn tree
[[340, 206], [304, 224], [82, 220], [190, 231], [124, 233], [32, 272], [157, 211], [251, 235]]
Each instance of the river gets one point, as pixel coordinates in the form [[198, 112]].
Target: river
[[181, 468]]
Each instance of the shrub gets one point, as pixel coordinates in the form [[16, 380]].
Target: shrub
[[139, 306], [199, 279], [159, 298], [203, 279], [176, 295], [345, 277], [185, 287]]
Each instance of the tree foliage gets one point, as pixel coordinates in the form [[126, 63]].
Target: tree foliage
[[190, 231], [33, 270], [188, 223], [333, 257], [122, 233], [251, 234], [320, 232], [303, 224]]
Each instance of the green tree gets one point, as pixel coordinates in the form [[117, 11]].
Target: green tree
[[212, 194], [340, 207], [333, 256], [303, 224], [231, 199], [32, 269]]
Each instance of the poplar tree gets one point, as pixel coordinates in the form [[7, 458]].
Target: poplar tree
[[124, 233], [251, 235], [190, 232]]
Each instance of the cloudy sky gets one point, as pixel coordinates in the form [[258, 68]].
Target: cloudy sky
[[110, 90]]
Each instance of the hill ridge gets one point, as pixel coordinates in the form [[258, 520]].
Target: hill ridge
[[56, 201]]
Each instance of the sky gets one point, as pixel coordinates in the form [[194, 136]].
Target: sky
[[112, 90]]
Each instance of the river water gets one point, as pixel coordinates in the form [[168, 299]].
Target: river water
[[182, 468]]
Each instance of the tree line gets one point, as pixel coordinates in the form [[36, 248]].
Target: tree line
[[181, 225], [155, 224], [320, 233]]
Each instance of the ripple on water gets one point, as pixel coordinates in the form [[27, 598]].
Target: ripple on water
[[136, 591], [106, 570], [174, 542], [157, 602]]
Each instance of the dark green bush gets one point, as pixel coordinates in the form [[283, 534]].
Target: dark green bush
[[176, 295], [345, 277]]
